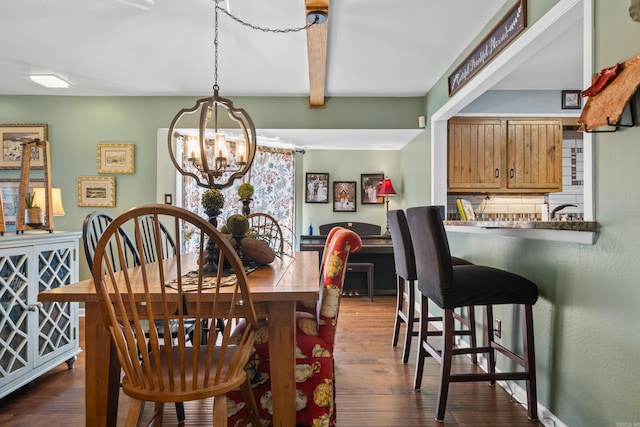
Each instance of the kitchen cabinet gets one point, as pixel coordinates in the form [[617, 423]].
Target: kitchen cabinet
[[504, 155], [35, 337]]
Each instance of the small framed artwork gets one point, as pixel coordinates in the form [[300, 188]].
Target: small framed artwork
[[344, 196], [97, 191], [571, 100], [115, 158], [13, 135], [369, 185], [316, 187], [10, 193]]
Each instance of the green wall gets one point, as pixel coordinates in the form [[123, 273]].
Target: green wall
[[587, 344], [347, 165], [586, 319], [77, 124]]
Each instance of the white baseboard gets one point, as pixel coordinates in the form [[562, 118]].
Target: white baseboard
[[517, 393]]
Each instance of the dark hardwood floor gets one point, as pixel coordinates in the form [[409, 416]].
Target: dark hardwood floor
[[374, 388]]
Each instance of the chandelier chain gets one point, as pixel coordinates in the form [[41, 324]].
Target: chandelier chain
[[263, 29], [215, 44]]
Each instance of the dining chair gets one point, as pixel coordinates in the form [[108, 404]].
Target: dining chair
[[405, 264], [93, 226], [265, 227], [311, 306], [172, 290], [150, 239], [449, 287], [315, 338], [92, 229]]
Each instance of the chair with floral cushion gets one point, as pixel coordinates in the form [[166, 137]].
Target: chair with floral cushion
[[315, 338]]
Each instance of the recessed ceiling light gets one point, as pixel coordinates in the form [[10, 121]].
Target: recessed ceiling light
[[49, 80]]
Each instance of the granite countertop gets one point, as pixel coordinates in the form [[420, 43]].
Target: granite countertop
[[540, 225]]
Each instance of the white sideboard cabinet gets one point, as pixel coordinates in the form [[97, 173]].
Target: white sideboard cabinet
[[35, 337]]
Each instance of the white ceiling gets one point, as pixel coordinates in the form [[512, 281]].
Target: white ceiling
[[165, 48]]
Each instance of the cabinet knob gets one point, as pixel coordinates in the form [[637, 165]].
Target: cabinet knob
[[497, 173], [35, 307], [512, 173]]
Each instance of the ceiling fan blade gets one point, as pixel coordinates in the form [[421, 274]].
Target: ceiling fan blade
[[317, 36]]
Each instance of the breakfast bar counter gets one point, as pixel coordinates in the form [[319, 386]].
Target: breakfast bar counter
[[539, 225], [563, 231]]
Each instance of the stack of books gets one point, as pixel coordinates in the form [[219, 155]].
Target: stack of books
[[465, 210]]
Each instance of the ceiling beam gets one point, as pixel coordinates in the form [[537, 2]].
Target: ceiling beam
[[317, 36]]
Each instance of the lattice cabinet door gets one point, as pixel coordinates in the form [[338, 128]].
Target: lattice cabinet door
[[15, 325], [36, 337], [57, 322]]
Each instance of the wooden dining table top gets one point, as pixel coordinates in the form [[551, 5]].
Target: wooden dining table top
[[291, 278]]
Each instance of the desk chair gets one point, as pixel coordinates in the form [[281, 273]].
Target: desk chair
[[94, 226], [450, 286], [158, 370], [406, 274]]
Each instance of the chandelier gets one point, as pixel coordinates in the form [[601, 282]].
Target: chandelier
[[214, 157]]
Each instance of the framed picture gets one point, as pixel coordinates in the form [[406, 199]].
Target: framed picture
[[571, 99], [10, 193], [96, 191], [13, 135], [316, 187], [115, 158], [344, 196], [369, 185]]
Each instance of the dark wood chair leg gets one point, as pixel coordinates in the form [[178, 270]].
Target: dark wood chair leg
[[529, 361], [422, 338], [399, 302], [488, 337], [411, 319], [180, 412], [445, 366], [473, 340]]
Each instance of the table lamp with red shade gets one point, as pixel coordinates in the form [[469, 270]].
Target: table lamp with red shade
[[386, 190]]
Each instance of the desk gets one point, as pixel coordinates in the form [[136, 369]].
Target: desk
[[274, 288], [375, 249]]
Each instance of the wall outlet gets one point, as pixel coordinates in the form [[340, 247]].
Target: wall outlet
[[497, 328]]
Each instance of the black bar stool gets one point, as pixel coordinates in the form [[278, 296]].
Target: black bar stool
[[449, 287], [405, 264]]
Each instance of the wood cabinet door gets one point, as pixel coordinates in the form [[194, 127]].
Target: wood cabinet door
[[476, 148], [534, 155]]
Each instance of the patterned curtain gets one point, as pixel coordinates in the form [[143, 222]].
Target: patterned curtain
[[272, 176]]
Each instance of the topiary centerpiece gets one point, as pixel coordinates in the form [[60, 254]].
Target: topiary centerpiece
[[212, 201], [245, 192], [237, 226]]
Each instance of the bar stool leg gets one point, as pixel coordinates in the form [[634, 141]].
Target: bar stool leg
[[422, 337], [411, 319], [529, 361], [488, 338], [399, 303], [445, 366], [473, 340]]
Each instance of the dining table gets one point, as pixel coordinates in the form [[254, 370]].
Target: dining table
[[275, 288]]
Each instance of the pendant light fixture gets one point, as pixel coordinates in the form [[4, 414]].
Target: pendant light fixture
[[213, 156]]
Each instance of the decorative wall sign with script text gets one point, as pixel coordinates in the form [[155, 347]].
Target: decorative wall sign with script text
[[500, 36]]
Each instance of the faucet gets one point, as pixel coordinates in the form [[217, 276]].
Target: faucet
[[558, 208]]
